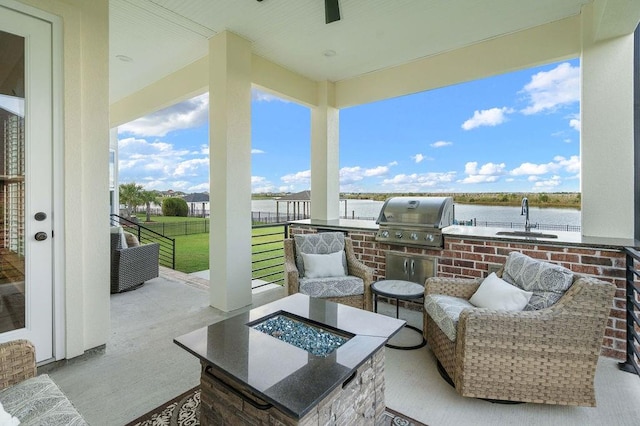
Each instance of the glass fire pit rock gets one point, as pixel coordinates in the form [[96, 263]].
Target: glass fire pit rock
[[312, 338]]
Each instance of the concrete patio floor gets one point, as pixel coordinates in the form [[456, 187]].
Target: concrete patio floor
[[141, 368]]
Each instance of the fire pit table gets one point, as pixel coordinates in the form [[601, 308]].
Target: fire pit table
[[295, 361]]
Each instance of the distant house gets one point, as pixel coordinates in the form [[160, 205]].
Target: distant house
[[198, 203]]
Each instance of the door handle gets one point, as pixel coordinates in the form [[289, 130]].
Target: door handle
[[40, 236]]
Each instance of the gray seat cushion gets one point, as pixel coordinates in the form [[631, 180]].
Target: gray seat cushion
[[39, 401], [547, 281], [332, 286], [445, 312]]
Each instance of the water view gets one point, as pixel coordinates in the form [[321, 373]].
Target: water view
[[369, 209]]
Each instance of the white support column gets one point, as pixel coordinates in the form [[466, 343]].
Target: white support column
[[325, 156], [607, 138], [230, 171]]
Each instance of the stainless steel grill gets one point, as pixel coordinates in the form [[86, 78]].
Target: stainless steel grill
[[414, 221]]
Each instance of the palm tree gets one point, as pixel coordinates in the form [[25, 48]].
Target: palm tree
[[130, 196], [148, 197]]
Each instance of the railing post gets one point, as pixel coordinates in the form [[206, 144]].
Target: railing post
[[631, 365]]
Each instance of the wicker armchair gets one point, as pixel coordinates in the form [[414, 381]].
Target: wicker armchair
[[355, 268], [17, 362], [32, 399], [544, 356], [132, 266]]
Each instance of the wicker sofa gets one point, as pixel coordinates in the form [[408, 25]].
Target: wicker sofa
[[353, 289], [32, 399], [546, 355], [132, 266]]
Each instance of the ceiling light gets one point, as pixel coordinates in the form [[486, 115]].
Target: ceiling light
[[329, 53], [124, 58]]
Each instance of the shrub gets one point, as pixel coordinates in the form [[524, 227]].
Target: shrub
[[174, 207]]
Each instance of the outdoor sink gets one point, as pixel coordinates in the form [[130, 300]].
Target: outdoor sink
[[528, 234]]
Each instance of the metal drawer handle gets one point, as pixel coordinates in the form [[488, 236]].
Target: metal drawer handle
[[235, 391]]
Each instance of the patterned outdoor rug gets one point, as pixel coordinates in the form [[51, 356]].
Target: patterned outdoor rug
[[185, 409]]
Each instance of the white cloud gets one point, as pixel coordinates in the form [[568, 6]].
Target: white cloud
[[303, 177], [201, 187], [575, 124], [193, 167], [488, 172], [418, 158], [549, 90], [487, 117], [571, 164], [350, 175], [393, 163], [257, 151], [261, 184], [441, 144], [376, 171], [185, 115], [534, 169], [260, 96], [418, 182], [549, 184]]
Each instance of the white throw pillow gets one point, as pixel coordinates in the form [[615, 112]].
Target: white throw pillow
[[323, 265], [495, 293], [7, 419]]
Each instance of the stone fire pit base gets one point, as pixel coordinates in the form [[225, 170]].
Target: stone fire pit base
[[359, 401]]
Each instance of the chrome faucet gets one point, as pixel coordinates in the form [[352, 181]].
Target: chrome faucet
[[525, 212]]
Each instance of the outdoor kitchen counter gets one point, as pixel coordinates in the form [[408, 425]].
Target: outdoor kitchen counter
[[338, 224], [288, 377], [482, 233], [564, 238]]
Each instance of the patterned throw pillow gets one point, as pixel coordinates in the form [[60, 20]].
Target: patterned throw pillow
[[547, 281], [321, 243]]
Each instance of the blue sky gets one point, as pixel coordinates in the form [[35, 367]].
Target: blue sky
[[517, 132]]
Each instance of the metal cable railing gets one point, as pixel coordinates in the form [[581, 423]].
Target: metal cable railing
[[632, 362], [267, 249], [167, 255]]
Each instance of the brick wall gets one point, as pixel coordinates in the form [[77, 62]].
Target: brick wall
[[472, 258]]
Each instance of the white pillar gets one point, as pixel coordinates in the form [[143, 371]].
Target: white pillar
[[607, 152], [230, 171], [325, 158]]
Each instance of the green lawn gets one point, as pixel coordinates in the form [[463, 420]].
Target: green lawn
[[192, 253]]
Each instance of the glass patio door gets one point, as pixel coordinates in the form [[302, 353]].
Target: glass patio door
[[26, 281]]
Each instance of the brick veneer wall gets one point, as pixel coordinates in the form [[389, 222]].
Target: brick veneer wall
[[473, 258]]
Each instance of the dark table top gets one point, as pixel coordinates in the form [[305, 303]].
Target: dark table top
[[290, 378]]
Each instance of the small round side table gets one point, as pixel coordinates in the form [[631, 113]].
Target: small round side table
[[399, 290]]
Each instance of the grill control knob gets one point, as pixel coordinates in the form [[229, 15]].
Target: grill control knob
[[429, 237], [398, 234], [384, 234], [414, 236]]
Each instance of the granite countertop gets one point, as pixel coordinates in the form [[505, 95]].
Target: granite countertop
[[290, 378], [339, 224], [564, 238]]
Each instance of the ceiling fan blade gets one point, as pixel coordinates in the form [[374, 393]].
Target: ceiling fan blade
[[331, 11]]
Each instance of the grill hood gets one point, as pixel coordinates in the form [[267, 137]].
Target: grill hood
[[428, 212], [414, 221]]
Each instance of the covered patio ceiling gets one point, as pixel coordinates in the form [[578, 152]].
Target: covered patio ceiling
[[150, 39]]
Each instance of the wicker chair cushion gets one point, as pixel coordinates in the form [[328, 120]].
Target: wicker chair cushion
[[547, 281], [332, 286], [122, 243], [321, 243], [132, 240], [445, 312], [39, 401]]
